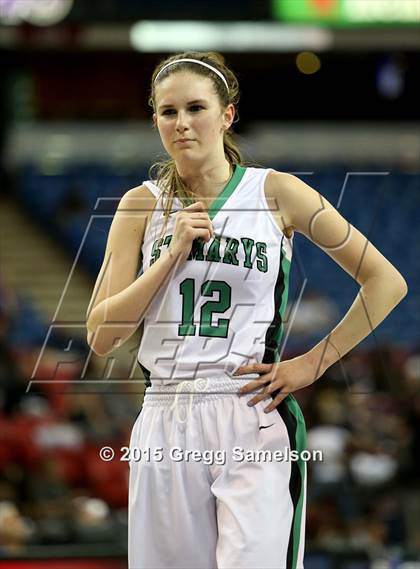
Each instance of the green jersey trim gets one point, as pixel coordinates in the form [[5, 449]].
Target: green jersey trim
[[227, 191]]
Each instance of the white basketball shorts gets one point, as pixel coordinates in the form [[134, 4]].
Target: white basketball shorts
[[208, 485]]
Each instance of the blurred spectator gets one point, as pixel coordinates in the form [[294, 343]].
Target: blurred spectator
[[316, 314], [369, 469], [92, 520], [51, 502], [15, 531], [331, 436]]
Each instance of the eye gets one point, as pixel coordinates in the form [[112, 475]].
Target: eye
[[192, 108]]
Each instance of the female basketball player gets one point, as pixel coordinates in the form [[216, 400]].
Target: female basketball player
[[215, 239]]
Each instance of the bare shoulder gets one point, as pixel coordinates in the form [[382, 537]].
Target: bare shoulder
[[278, 195], [298, 201], [139, 199], [281, 185], [136, 207]]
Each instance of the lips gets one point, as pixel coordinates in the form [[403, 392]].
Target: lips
[[184, 140]]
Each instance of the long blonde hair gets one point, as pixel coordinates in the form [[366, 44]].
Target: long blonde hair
[[164, 171]]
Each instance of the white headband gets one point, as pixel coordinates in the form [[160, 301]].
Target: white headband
[[199, 63]]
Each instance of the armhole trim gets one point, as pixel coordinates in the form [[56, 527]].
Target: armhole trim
[[266, 205], [153, 189]]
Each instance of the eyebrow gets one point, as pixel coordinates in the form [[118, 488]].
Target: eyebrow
[[189, 103]]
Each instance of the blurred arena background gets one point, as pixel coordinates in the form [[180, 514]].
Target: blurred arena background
[[330, 92]]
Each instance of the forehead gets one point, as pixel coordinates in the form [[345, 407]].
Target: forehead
[[184, 86]]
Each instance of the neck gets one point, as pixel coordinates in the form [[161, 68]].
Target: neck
[[206, 180]]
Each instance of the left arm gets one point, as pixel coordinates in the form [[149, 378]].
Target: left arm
[[381, 286]]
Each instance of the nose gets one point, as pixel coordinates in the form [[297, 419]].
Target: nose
[[181, 122]]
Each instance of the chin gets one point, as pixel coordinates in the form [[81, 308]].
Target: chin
[[187, 153]]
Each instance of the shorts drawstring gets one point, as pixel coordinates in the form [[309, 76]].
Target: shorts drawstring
[[187, 393], [178, 391]]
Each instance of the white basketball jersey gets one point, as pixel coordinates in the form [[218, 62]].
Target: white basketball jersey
[[224, 306]]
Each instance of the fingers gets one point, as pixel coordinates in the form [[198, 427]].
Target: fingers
[[254, 368], [199, 215], [192, 223], [276, 402], [190, 216], [200, 223], [202, 229], [192, 227], [266, 394], [267, 383], [260, 397], [252, 385], [196, 206], [202, 234]]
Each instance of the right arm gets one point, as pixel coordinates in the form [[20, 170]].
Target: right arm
[[120, 301], [119, 268]]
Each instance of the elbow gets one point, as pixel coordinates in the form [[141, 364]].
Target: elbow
[[103, 339], [399, 288], [402, 287], [99, 351], [98, 348], [400, 284], [391, 285], [94, 342]]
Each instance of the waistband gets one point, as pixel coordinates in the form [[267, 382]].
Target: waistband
[[190, 392]]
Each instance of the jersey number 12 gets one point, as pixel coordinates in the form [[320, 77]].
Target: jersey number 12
[[206, 328]]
